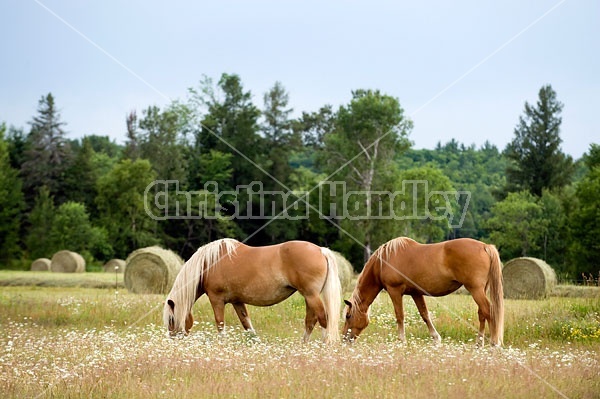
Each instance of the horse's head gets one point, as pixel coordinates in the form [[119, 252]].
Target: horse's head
[[356, 321], [174, 326]]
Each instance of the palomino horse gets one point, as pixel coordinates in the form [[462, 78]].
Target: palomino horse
[[228, 271], [404, 267]]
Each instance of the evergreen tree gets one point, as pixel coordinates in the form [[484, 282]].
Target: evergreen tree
[[18, 145], [81, 176], [160, 140], [281, 139], [11, 204], [537, 161], [49, 153], [281, 142], [230, 125]]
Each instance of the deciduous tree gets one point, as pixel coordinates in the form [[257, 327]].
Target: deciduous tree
[[369, 132]]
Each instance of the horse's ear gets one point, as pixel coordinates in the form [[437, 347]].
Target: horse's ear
[[171, 304], [347, 302]]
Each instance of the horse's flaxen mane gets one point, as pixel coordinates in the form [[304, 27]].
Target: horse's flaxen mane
[[183, 293], [392, 246], [381, 254]]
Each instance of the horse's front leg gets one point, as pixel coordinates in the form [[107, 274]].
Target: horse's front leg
[[396, 297], [424, 312], [242, 312], [218, 306]]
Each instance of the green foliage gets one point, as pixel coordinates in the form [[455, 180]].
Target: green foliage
[[517, 225], [537, 161], [554, 243], [280, 138], [49, 153], [103, 145], [18, 145], [228, 122], [368, 134], [585, 221], [120, 203], [281, 141], [313, 126], [160, 141], [41, 219], [81, 175], [71, 229], [423, 207], [229, 125], [478, 171], [214, 166], [11, 204], [220, 135]]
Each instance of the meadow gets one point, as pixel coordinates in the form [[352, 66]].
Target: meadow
[[80, 342]]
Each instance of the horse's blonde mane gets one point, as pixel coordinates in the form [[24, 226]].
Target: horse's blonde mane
[[183, 293], [381, 254], [392, 246]]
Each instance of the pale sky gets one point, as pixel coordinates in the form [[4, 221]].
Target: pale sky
[[460, 69]]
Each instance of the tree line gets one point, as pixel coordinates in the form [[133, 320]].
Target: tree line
[[91, 194]]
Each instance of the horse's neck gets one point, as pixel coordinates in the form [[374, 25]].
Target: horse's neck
[[369, 285]]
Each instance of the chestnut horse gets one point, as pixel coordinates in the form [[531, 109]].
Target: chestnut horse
[[404, 267], [228, 271]]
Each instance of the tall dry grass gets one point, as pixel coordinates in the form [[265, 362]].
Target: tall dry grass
[[75, 342]]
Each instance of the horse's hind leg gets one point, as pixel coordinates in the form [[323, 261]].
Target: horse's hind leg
[[424, 312], [315, 311], [483, 311], [242, 312]]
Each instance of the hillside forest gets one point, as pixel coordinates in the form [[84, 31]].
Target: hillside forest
[[218, 164]]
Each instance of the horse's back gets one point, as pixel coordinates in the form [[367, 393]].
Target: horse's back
[[438, 268]]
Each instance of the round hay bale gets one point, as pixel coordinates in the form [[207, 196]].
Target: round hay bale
[[114, 266], [151, 270], [67, 262], [345, 271], [528, 278], [40, 265]]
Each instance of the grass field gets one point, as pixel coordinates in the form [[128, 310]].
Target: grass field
[[88, 342]]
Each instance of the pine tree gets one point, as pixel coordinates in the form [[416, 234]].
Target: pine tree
[[537, 161], [281, 141], [81, 176], [49, 153], [11, 204]]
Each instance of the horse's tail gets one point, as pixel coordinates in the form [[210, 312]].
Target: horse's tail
[[332, 294], [183, 294], [496, 296]]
